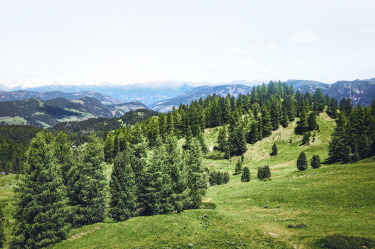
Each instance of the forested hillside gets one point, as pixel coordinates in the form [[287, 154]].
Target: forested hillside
[[163, 165]]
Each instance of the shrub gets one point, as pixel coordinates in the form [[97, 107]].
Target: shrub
[[264, 172], [218, 178], [338, 241], [245, 177], [215, 155], [315, 161], [302, 162], [238, 168], [274, 150]]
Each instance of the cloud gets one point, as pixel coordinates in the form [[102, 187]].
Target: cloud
[[366, 30], [238, 50], [273, 45], [305, 36], [247, 65]]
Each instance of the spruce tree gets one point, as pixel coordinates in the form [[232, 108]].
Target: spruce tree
[[226, 178], [40, 217], [302, 124], [245, 177], [123, 187], [274, 150], [238, 168], [306, 138], [311, 121], [264, 172], [319, 100], [87, 185], [196, 178], [315, 161], [188, 138], [302, 162]]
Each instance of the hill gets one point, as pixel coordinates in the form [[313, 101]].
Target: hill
[[22, 94], [41, 113], [330, 200], [99, 125]]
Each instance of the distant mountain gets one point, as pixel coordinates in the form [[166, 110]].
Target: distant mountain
[[23, 94], [47, 113], [147, 93], [360, 91], [200, 92], [99, 125]]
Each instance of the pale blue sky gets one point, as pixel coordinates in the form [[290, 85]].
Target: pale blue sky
[[194, 40]]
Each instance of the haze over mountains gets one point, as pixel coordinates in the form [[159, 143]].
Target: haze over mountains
[[44, 106]]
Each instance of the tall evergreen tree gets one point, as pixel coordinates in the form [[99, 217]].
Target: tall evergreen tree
[[274, 150], [302, 124], [315, 161], [123, 187], [245, 177], [319, 100], [311, 122], [41, 200], [302, 162], [238, 168], [196, 178], [87, 185]]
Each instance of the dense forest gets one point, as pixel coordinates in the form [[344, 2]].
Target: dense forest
[[157, 161]]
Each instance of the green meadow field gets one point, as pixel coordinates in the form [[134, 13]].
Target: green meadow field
[[334, 199]]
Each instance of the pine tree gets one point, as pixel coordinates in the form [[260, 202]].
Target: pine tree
[[319, 100], [63, 154], [311, 121], [226, 178], [245, 177], [123, 187], [315, 161], [188, 137], [302, 124], [264, 172], [266, 123], [306, 138], [302, 162], [274, 150], [196, 178], [41, 200], [238, 168], [202, 142], [237, 141], [87, 185]]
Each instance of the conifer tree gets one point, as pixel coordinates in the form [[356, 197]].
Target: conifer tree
[[202, 142], [315, 161], [319, 100], [87, 186], [238, 168], [266, 123], [123, 187], [306, 138], [108, 147], [264, 172], [226, 178], [245, 177], [237, 141], [196, 178], [63, 154], [188, 137], [41, 200], [311, 121], [222, 138], [302, 162], [302, 124], [274, 150]]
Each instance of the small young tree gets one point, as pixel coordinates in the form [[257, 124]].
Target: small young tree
[[238, 168], [302, 162], [274, 150], [245, 177], [264, 172], [315, 161], [306, 138], [226, 177]]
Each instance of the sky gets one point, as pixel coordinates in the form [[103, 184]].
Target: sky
[[194, 40]]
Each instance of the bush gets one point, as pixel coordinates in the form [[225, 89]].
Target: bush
[[302, 162], [218, 178], [215, 155], [338, 241], [315, 161], [264, 172], [274, 150], [238, 168], [245, 177]]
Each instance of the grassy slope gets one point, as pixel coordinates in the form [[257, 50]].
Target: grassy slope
[[332, 199]]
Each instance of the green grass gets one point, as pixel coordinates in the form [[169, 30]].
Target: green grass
[[334, 199], [7, 183], [17, 120]]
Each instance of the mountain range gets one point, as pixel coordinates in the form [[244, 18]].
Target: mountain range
[[47, 113]]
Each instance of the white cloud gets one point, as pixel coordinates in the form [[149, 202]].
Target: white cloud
[[273, 45], [305, 36], [238, 50], [247, 65], [366, 30], [265, 70]]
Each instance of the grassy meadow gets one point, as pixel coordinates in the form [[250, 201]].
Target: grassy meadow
[[334, 199]]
